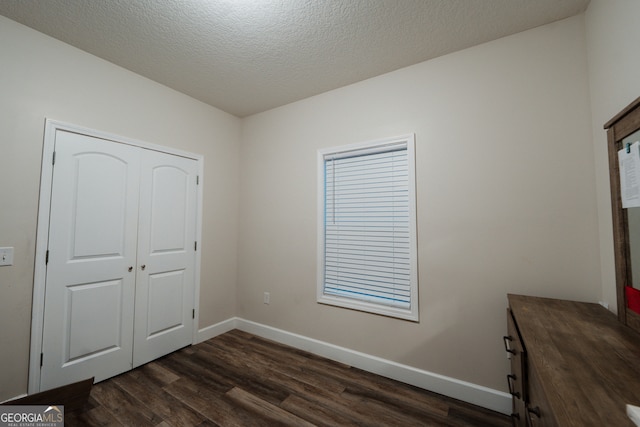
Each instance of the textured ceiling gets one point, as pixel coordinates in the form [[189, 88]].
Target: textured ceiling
[[247, 56]]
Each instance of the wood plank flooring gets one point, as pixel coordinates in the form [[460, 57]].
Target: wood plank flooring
[[238, 379]]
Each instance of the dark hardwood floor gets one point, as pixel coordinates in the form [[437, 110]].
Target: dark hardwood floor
[[238, 379]]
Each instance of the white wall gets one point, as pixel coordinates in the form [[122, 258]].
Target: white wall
[[505, 196], [614, 75], [44, 78]]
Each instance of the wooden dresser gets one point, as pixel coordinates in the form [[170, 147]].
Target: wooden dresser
[[572, 364]]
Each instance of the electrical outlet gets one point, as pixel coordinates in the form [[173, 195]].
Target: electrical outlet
[[266, 297], [6, 256]]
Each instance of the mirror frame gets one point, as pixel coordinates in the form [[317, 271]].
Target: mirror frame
[[625, 123]]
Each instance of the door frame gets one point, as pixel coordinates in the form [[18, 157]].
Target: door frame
[[42, 231]]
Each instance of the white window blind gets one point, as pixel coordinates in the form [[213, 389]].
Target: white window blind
[[368, 223]]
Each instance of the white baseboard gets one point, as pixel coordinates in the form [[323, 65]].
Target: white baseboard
[[215, 330], [15, 398], [462, 390]]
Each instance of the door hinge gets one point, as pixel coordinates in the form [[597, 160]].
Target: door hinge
[[53, 161], [195, 245], [41, 359], [193, 313], [46, 258], [197, 179]]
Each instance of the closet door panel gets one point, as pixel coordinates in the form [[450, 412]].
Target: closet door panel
[[89, 295], [166, 256], [165, 294]]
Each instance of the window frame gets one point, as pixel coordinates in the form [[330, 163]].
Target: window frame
[[412, 313]]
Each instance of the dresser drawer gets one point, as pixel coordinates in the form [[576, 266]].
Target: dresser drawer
[[517, 377], [519, 413], [516, 352]]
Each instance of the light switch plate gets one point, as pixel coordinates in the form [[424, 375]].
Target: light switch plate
[[6, 256]]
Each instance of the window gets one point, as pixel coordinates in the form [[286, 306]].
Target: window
[[367, 252]]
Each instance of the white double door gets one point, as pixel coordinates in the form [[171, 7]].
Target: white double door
[[121, 258]]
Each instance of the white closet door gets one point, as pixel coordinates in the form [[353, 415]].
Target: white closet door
[[166, 256], [89, 300]]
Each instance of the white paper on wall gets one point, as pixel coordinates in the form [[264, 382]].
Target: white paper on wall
[[629, 163]]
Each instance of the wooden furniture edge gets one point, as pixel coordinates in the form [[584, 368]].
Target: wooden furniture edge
[[72, 396]]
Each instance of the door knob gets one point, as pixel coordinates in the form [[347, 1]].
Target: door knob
[[143, 266], [130, 269]]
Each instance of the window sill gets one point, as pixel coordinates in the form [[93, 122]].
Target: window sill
[[353, 304]]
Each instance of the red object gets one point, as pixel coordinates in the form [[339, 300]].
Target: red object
[[633, 298]]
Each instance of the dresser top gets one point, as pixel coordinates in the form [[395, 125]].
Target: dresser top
[[587, 362]]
